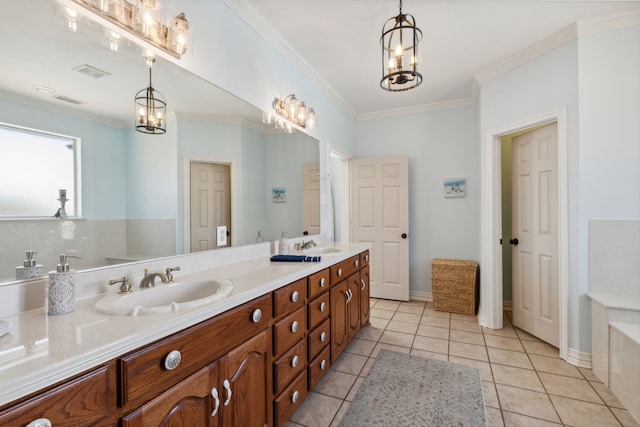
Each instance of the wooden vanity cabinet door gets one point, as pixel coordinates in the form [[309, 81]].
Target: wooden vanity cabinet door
[[339, 320], [188, 403], [353, 307], [365, 304]]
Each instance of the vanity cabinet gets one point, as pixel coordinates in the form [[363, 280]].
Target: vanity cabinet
[[365, 297], [319, 334]]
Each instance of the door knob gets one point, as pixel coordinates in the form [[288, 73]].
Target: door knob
[[404, 235], [514, 242]]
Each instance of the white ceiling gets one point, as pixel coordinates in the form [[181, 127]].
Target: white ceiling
[[339, 41]]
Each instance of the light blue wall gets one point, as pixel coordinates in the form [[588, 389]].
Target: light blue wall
[[440, 144]]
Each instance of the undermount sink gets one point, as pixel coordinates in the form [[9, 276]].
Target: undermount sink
[[165, 298], [322, 250]]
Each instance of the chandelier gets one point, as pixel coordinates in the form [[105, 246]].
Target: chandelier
[[151, 108], [294, 112], [400, 38]]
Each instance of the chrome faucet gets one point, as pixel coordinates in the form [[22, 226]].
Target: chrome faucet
[[149, 279], [305, 245]]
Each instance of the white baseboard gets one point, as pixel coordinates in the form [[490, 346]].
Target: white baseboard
[[579, 359], [507, 305], [420, 296]]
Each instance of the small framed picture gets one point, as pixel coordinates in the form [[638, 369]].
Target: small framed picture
[[455, 187], [279, 195]]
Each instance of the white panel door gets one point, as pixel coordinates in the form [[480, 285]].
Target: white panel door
[[311, 198], [380, 216], [210, 204], [535, 234]]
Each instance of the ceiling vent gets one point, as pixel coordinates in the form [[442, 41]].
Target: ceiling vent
[[68, 99], [91, 71]]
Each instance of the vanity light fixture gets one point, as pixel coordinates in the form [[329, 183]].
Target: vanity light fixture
[[294, 111], [399, 40], [151, 108], [142, 18]]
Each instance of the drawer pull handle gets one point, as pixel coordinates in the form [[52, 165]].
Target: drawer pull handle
[[323, 336], [295, 396], [257, 315], [294, 326], [357, 263], [227, 387], [322, 282], [366, 257], [294, 296], [214, 394], [363, 284], [349, 295], [323, 307], [40, 422], [172, 360], [323, 364], [339, 272], [295, 361]]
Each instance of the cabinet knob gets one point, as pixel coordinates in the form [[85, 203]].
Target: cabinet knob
[[257, 315], [40, 422], [323, 364], [295, 396], [172, 360], [294, 326], [357, 263], [323, 307], [322, 282], [216, 397], [323, 336], [294, 296], [339, 272], [295, 361]]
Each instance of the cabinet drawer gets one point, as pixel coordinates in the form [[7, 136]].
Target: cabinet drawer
[[81, 401], [288, 366], [344, 269], [318, 310], [289, 297], [289, 331], [318, 283], [318, 338], [144, 373], [287, 403], [318, 367], [364, 259]]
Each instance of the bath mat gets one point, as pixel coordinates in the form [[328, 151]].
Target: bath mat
[[404, 390]]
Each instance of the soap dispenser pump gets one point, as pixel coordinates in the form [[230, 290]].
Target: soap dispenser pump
[[62, 287], [29, 268]]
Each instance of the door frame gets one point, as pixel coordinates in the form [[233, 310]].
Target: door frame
[[491, 222]]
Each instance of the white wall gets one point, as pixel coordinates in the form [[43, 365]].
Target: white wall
[[440, 144]]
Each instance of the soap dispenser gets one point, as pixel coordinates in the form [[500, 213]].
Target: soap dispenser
[[62, 287], [283, 245], [29, 269]]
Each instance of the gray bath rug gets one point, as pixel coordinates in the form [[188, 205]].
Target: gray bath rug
[[405, 390]]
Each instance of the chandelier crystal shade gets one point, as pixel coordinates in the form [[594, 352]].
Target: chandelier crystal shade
[[151, 108], [399, 40]]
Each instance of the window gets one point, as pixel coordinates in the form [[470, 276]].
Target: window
[[35, 166]]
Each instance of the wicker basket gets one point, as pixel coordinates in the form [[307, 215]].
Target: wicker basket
[[454, 284]]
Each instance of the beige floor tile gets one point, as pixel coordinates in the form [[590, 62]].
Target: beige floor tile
[[397, 348], [349, 363], [490, 394], [590, 375], [397, 338], [505, 343], [625, 417], [506, 331], [429, 311], [484, 367], [441, 322], [377, 323], [554, 366], [367, 367], [606, 394], [540, 348], [403, 327], [467, 337], [494, 417], [370, 334], [508, 357], [335, 384], [361, 347], [463, 325], [431, 344], [388, 305], [430, 354], [583, 414], [526, 402], [433, 331], [517, 420], [317, 410], [525, 336], [337, 420], [411, 307], [292, 424], [465, 317], [382, 314], [516, 377], [574, 388], [407, 317], [470, 351], [354, 389]]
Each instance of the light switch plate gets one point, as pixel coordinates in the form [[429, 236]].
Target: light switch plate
[[221, 232]]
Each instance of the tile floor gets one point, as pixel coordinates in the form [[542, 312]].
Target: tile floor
[[525, 382]]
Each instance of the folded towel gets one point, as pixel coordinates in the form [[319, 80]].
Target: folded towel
[[295, 258]]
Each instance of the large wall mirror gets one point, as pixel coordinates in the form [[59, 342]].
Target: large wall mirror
[[138, 194]]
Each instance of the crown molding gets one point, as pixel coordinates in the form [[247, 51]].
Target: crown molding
[[248, 14], [424, 108], [608, 23]]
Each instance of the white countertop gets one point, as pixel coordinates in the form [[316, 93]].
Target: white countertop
[[624, 302], [632, 330], [41, 350]]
